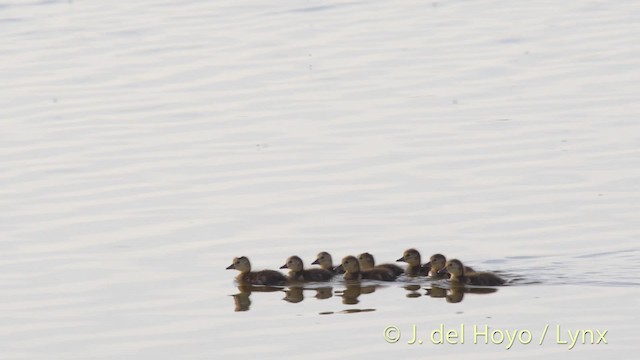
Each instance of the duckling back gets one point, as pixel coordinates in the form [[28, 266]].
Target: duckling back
[[484, 279], [378, 274], [395, 269], [263, 277], [316, 275]]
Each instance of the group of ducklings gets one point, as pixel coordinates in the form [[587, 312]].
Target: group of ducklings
[[363, 267]]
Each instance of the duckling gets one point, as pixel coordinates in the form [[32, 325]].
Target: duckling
[[367, 263], [352, 271], [263, 277], [415, 267], [438, 269], [326, 262], [458, 275], [298, 273]]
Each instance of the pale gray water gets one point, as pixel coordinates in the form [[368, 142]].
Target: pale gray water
[[144, 144]]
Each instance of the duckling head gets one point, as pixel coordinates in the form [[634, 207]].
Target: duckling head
[[294, 263], [455, 268], [411, 257], [438, 262], [241, 264], [366, 261], [324, 260], [350, 264]]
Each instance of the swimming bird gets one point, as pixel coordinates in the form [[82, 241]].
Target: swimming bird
[[263, 277], [459, 276], [298, 273], [326, 262], [415, 267], [353, 272], [438, 267], [367, 262]]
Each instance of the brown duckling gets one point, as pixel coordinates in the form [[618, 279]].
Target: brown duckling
[[459, 276], [325, 261], [352, 271], [414, 267], [263, 277], [298, 273], [367, 262], [438, 267]]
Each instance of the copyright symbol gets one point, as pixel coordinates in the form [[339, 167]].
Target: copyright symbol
[[391, 334]]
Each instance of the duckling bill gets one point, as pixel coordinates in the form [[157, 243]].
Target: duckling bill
[[298, 273], [263, 277]]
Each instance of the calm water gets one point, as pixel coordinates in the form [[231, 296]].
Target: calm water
[[145, 144]]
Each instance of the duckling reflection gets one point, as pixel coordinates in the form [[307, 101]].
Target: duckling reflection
[[438, 264], [353, 290], [325, 261], [294, 294], [456, 293], [298, 273], [324, 293], [413, 290], [242, 299], [367, 262], [458, 275], [263, 277], [353, 273], [436, 292]]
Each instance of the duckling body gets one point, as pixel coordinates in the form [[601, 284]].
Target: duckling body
[[326, 262], [263, 277], [352, 271], [438, 270], [458, 275], [378, 274], [298, 273], [414, 263], [367, 262]]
